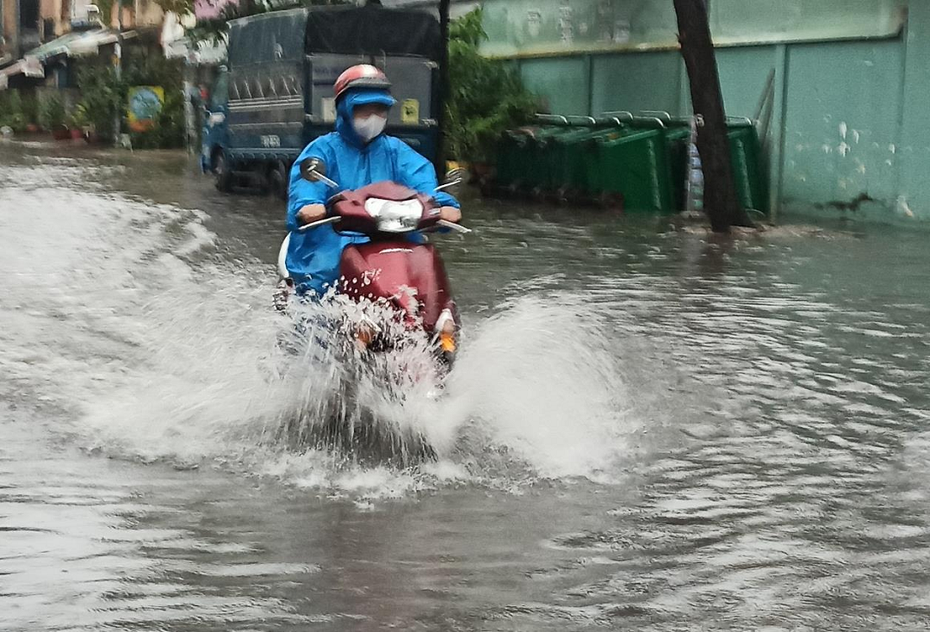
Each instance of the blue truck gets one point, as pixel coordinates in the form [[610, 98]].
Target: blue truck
[[275, 94]]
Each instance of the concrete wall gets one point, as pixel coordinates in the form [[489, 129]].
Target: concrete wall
[[9, 27], [147, 13], [913, 155], [552, 27], [60, 14], [849, 132]]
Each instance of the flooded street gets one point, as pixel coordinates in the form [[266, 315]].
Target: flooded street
[[645, 430]]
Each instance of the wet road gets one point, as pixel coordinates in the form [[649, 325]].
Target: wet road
[[646, 430]]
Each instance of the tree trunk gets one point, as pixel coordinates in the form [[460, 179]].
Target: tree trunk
[[444, 91], [721, 202]]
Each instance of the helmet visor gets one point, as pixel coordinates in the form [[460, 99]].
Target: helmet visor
[[357, 97]]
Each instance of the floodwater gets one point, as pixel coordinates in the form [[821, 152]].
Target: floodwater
[[646, 430]]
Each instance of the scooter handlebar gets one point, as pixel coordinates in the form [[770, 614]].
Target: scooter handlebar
[[318, 223], [458, 228], [334, 216]]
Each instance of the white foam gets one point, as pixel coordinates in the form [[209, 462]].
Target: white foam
[[164, 361], [541, 377]]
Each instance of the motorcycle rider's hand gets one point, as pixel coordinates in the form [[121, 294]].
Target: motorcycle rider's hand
[[450, 214], [311, 213]]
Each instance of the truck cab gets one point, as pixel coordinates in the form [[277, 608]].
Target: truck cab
[[275, 94]]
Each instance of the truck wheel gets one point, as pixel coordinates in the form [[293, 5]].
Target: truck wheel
[[222, 176], [277, 180]]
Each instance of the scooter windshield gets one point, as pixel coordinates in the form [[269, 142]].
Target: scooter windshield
[[395, 216]]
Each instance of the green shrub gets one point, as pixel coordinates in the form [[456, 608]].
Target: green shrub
[[103, 96], [486, 97], [11, 110], [155, 70], [168, 131], [30, 109], [17, 111], [52, 112], [78, 119]]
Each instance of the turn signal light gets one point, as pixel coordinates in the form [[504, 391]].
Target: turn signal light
[[365, 335], [447, 342]]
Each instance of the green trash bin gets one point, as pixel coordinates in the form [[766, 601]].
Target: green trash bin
[[745, 155], [510, 151], [634, 166], [537, 165], [748, 174], [677, 140], [521, 160], [567, 155]]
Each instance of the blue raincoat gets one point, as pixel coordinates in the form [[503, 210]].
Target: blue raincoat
[[313, 256]]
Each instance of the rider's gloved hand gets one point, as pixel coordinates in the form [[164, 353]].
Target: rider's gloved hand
[[311, 213], [450, 214]]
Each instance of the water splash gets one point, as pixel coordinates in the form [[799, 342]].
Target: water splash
[[535, 392], [166, 353], [541, 379]]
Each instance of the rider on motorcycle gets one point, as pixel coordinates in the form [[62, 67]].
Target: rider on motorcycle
[[355, 155]]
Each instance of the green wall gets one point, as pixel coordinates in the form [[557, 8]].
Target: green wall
[[842, 121], [744, 74], [637, 81], [849, 130], [541, 27], [913, 153], [563, 83]]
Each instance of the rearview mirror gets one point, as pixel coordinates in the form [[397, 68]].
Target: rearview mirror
[[452, 182], [313, 169]]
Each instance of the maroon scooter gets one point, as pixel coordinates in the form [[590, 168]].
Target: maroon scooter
[[403, 278]]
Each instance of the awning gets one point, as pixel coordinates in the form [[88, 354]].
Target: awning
[[74, 44], [30, 67]]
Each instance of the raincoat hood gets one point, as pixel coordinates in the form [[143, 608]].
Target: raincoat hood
[[353, 99]]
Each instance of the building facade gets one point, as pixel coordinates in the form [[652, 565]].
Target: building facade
[[25, 24]]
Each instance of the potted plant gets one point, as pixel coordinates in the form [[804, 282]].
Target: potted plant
[[90, 134], [11, 111], [77, 122], [52, 117], [30, 110], [80, 119]]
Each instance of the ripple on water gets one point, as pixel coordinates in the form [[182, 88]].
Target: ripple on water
[[649, 432]]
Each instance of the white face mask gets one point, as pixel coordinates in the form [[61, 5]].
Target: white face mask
[[369, 128]]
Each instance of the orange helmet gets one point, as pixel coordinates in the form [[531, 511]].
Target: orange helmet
[[361, 76]]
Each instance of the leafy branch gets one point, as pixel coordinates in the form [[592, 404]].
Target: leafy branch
[[486, 97]]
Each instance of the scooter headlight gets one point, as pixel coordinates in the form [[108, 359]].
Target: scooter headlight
[[395, 217]]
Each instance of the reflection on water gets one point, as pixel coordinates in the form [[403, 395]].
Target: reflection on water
[[647, 428]]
